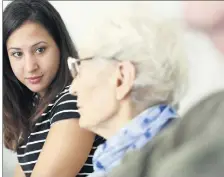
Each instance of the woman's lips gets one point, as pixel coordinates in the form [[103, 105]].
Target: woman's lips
[[34, 80]]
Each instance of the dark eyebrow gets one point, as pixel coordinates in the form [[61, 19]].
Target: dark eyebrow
[[38, 43], [16, 48]]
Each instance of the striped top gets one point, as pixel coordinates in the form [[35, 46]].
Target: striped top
[[62, 107]]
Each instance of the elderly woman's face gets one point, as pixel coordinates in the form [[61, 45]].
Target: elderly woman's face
[[96, 90]]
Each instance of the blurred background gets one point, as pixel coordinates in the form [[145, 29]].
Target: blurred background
[[206, 73]]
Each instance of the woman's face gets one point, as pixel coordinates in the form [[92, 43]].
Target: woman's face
[[34, 56], [103, 88], [96, 93]]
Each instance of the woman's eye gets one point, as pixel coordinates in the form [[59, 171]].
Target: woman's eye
[[40, 50], [17, 54]]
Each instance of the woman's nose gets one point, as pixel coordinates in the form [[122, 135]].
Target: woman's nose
[[31, 64]]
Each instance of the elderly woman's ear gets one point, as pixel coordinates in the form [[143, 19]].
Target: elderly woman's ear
[[125, 78]]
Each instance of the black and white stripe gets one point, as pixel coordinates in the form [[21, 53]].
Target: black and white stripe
[[63, 107]]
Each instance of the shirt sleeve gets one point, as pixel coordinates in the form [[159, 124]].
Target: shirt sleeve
[[65, 108]]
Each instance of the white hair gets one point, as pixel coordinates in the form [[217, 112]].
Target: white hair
[[155, 48]]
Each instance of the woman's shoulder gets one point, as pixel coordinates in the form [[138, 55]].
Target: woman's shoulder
[[64, 106], [63, 96]]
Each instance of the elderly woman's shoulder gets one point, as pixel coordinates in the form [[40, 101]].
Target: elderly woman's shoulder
[[197, 144], [212, 102], [203, 116], [201, 124]]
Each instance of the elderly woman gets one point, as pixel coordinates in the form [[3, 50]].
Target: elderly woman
[[128, 84]]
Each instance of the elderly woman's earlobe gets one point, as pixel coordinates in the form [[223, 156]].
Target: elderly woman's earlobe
[[125, 80]]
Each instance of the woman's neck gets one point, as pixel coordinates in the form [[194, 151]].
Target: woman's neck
[[112, 126]]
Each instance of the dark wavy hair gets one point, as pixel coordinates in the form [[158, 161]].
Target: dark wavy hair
[[19, 114]]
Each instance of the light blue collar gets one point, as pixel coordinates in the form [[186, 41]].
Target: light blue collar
[[133, 136]]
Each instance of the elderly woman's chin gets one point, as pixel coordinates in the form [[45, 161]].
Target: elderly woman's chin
[[87, 122]]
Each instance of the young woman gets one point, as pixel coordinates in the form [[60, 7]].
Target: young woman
[[40, 116]]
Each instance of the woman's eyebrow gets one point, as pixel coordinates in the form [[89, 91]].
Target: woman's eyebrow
[[17, 48]]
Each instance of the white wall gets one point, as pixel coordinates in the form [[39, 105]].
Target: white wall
[[206, 71]]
